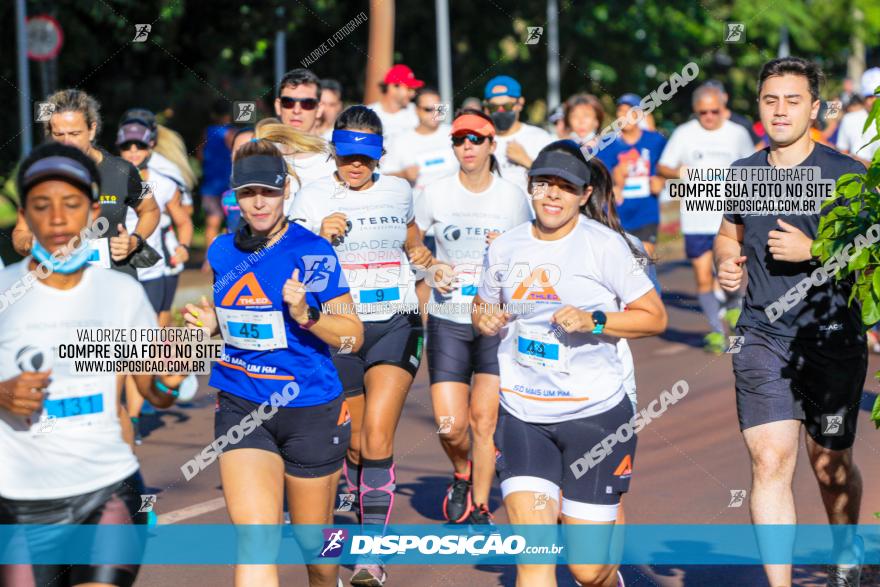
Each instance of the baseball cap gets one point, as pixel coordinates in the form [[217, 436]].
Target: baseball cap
[[58, 166], [560, 164], [258, 171], [630, 99], [556, 115], [870, 81], [471, 123], [502, 85], [134, 131], [141, 115], [351, 142], [402, 74]]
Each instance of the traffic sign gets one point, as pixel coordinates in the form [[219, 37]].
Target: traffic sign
[[44, 37]]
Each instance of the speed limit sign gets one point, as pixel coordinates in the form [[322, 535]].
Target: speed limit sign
[[44, 37]]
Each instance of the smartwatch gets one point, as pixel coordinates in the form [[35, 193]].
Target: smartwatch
[[599, 319], [314, 314]]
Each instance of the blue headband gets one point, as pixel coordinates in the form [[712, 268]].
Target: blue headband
[[350, 142]]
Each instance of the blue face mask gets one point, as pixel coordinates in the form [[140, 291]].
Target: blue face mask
[[62, 264]]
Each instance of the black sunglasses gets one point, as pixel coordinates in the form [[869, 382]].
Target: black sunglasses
[[475, 139], [127, 145], [306, 103]]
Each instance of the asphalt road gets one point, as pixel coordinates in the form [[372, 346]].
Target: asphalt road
[[688, 463]]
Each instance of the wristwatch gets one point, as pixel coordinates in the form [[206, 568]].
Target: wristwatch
[[599, 319], [314, 314]]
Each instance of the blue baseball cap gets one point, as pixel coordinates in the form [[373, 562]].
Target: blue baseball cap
[[630, 100], [502, 85], [350, 142], [259, 171]]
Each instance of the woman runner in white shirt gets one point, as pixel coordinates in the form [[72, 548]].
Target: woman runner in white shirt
[[553, 290]]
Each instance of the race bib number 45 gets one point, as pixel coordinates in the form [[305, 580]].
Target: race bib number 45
[[251, 330]]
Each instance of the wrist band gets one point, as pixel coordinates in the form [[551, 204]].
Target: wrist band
[[167, 390]]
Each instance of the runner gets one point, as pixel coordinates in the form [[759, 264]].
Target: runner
[[215, 155], [560, 342], [632, 159], [583, 116], [76, 122], [331, 106], [518, 143], [852, 138], [468, 210], [298, 105], [276, 334], [736, 117], [369, 218], [709, 142], [135, 141], [395, 107], [810, 363], [423, 154], [62, 452]]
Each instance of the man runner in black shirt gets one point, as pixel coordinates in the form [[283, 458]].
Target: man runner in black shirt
[[75, 121], [806, 364]]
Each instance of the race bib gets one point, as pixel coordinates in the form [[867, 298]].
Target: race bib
[[373, 283], [637, 187], [99, 252], [76, 403], [251, 330], [386, 294], [466, 285], [539, 347]]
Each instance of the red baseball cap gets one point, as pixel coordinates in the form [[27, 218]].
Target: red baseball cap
[[401, 74]]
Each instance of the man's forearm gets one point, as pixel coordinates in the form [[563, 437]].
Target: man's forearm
[[725, 248]]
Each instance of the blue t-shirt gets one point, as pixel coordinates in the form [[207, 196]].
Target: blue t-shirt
[[253, 314], [640, 207], [230, 207]]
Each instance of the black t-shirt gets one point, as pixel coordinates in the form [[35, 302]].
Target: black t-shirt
[[825, 314], [120, 190]]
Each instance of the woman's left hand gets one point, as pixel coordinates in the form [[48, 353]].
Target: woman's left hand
[[572, 319]]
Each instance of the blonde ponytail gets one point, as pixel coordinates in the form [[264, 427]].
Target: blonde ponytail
[[290, 141], [170, 145]]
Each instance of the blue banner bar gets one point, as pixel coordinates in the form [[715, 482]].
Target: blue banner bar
[[209, 544]]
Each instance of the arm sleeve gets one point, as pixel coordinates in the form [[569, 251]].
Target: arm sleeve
[[490, 289], [671, 156], [423, 211], [616, 263]]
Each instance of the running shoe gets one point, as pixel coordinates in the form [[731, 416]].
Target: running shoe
[[847, 575], [457, 503], [368, 576], [714, 343], [731, 316], [480, 515]]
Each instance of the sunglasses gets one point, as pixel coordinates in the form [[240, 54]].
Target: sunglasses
[[705, 112], [136, 144], [506, 107], [305, 103], [475, 139]]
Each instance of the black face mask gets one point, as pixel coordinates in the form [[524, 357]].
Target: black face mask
[[247, 241], [503, 120]]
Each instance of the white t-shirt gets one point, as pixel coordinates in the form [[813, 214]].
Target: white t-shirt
[[394, 124], [532, 139], [432, 153], [694, 146], [308, 169], [372, 256], [547, 378], [163, 191], [461, 219], [850, 137], [163, 165], [82, 449]]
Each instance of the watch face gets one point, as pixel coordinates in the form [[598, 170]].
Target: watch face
[[599, 317], [314, 313]]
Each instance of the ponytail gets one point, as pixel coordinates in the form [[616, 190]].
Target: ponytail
[[287, 141], [170, 145]]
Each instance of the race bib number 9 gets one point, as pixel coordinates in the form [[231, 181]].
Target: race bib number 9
[[539, 348], [251, 330]]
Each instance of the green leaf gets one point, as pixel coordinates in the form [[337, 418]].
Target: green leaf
[[859, 261], [875, 282], [875, 417]]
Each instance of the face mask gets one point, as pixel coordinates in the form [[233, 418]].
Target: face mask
[[62, 264], [503, 120], [247, 241]]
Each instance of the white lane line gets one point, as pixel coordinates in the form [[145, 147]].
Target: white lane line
[[192, 511]]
